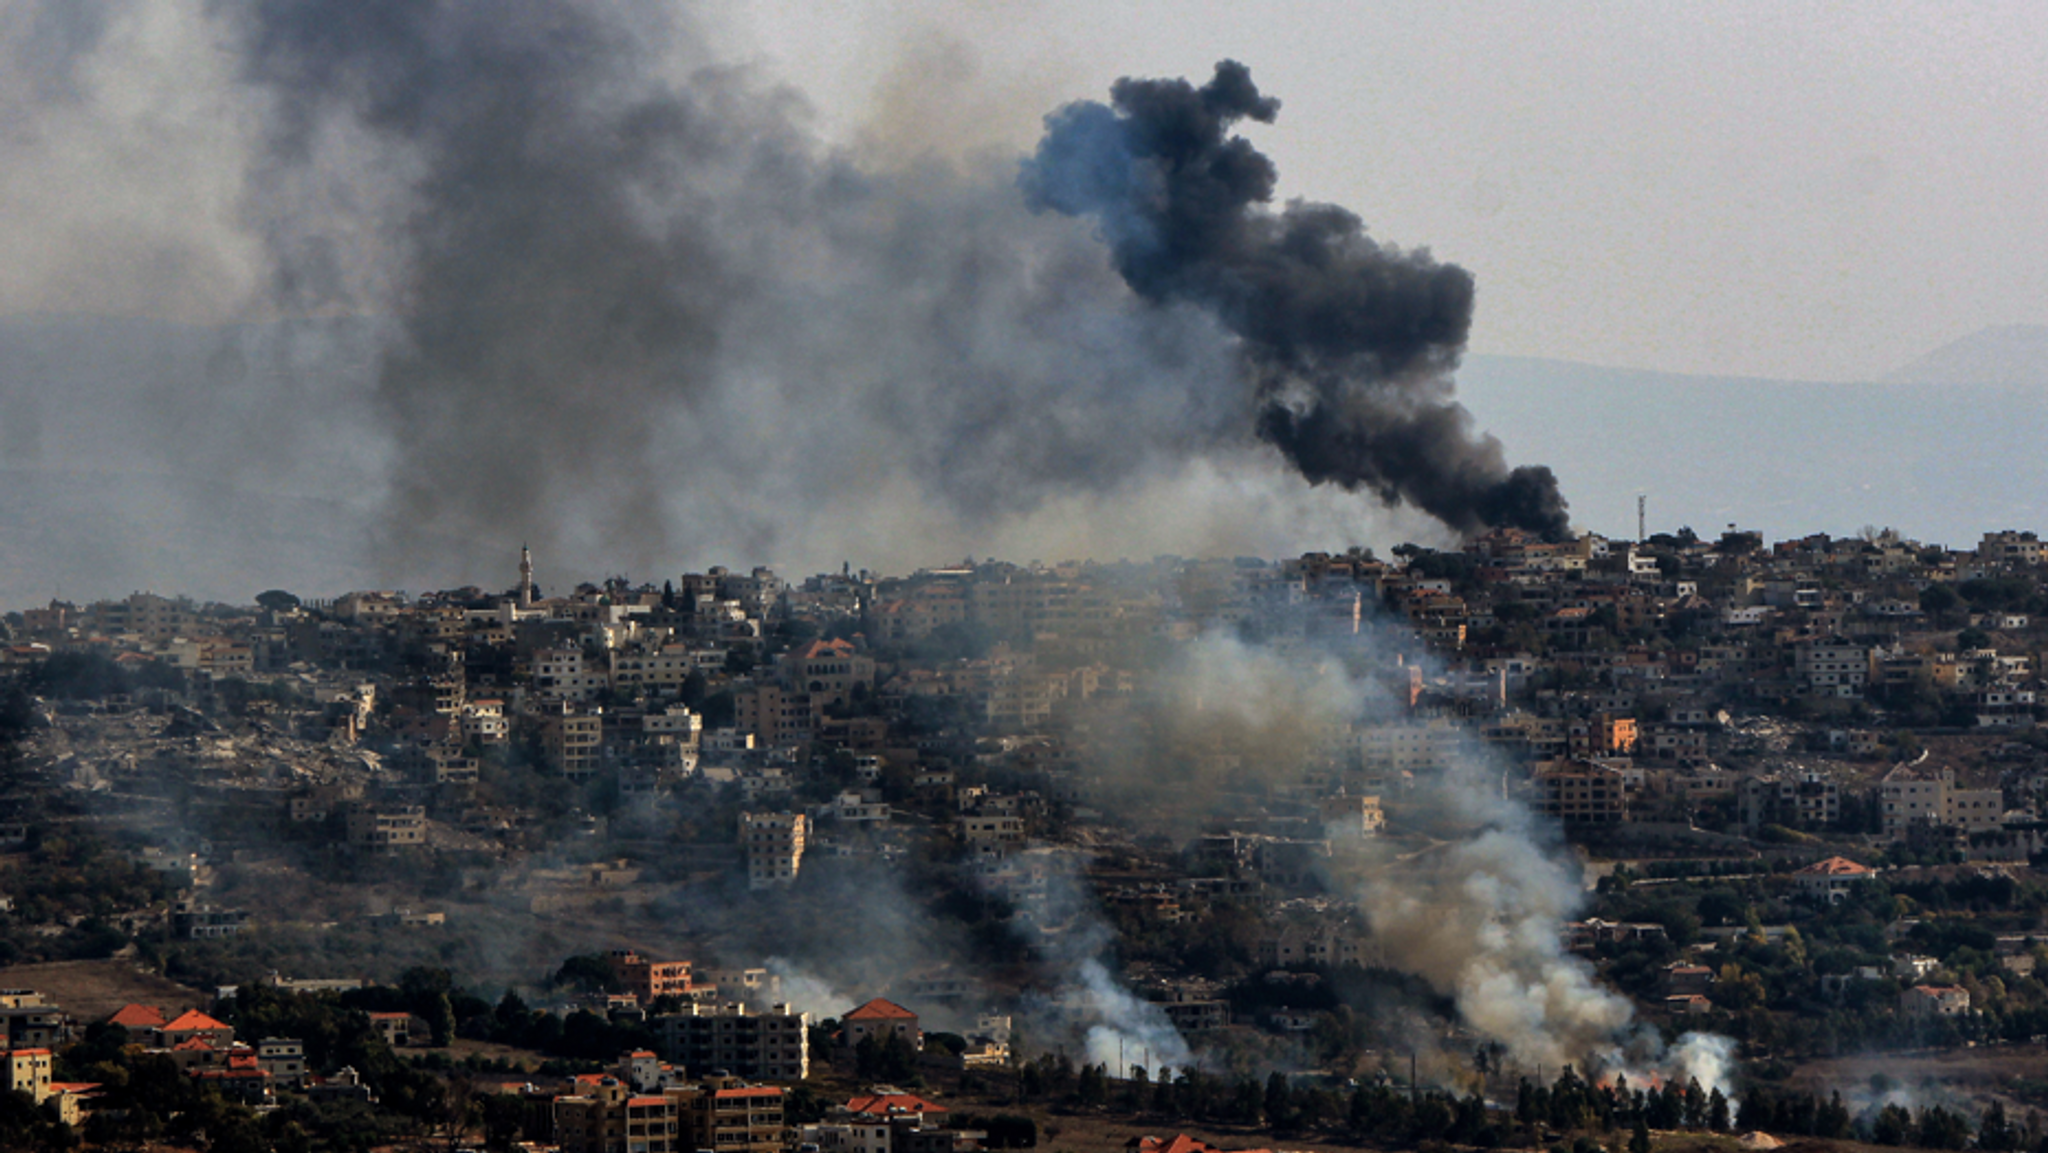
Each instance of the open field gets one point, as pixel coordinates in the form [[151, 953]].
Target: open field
[[1969, 1077], [92, 990]]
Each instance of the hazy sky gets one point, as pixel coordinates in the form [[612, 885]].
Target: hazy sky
[[1777, 189], [1800, 191], [1797, 190]]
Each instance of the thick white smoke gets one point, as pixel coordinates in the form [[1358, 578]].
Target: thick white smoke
[[808, 992], [1481, 915], [1122, 1028], [1114, 1027]]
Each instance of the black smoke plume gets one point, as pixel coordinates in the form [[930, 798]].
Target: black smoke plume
[[640, 310], [1350, 343], [439, 277]]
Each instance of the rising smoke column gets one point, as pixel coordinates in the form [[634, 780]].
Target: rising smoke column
[[1479, 914], [544, 314], [632, 292], [1350, 343]]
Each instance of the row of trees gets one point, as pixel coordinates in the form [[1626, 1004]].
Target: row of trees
[[1386, 1112]]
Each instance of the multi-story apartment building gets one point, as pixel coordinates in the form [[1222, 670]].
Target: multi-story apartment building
[[719, 1115], [725, 1115], [563, 675], [1406, 748], [1832, 667], [778, 716], [1906, 800], [28, 1071], [991, 834], [771, 1046], [382, 829], [649, 980], [572, 740], [656, 671], [1601, 735], [284, 1058], [774, 847], [197, 922], [29, 1022], [2010, 548], [606, 1116], [1808, 802], [1582, 794], [143, 614]]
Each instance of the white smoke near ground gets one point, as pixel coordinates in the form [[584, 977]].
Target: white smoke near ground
[[1083, 1000], [1480, 911], [1123, 1029], [807, 992]]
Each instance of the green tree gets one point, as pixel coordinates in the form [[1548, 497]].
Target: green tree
[[1279, 1102], [1717, 1111], [1893, 1126], [1941, 1129], [1091, 1088], [1938, 599], [1832, 1119], [440, 1018], [1994, 1132], [1695, 1104]]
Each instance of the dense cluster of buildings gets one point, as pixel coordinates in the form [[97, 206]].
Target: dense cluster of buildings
[[1872, 686], [1607, 670], [716, 1084]]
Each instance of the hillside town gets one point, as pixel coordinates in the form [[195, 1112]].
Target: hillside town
[[864, 863]]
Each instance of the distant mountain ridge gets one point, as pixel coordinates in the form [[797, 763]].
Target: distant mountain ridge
[[2010, 354], [218, 462], [1784, 457]]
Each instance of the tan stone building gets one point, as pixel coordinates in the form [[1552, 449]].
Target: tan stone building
[[774, 847]]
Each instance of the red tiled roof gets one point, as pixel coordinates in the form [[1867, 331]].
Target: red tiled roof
[[1181, 1143], [821, 648], [193, 1045], [138, 1017], [755, 1091], [26, 1052], [880, 1010], [1836, 867], [193, 1021], [643, 1102], [881, 1104]]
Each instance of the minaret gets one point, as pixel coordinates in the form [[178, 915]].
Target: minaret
[[525, 577]]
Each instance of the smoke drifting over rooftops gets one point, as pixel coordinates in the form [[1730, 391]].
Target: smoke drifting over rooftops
[[1348, 343]]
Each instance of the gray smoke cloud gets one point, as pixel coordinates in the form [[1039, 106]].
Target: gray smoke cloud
[[554, 273], [1480, 915], [637, 300], [1350, 342], [1085, 1001]]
